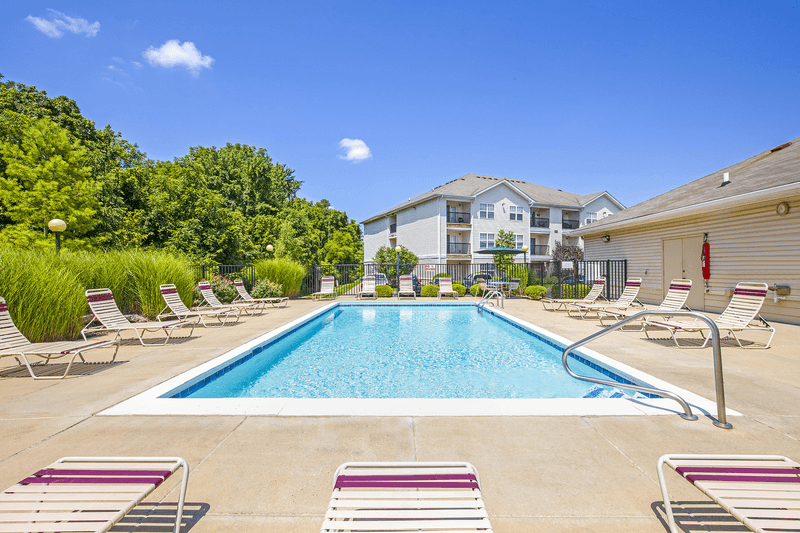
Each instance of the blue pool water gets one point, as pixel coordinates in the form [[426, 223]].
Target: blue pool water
[[396, 351]]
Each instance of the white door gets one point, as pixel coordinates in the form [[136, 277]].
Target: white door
[[682, 261]]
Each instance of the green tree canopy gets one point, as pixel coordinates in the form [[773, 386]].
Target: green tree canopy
[[386, 257], [504, 239]]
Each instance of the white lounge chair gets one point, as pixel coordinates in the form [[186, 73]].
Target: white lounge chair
[[213, 302], [740, 315], [760, 491], [245, 297], [557, 304], [14, 344], [87, 493], [446, 287], [513, 287], [177, 309], [406, 287], [368, 288], [327, 288], [625, 300], [106, 312], [676, 298], [422, 497]]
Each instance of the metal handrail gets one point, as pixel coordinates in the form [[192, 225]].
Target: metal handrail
[[489, 294], [721, 420]]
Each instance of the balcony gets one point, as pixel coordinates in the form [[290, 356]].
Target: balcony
[[570, 224], [457, 248], [540, 249], [539, 222], [454, 217]]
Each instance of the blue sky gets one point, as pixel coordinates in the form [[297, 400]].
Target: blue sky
[[631, 97]]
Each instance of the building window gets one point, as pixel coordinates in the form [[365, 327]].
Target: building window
[[518, 239], [590, 217], [486, 211], [486, 241], [515, 213]]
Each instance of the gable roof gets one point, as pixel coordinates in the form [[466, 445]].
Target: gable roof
[[471, 185], [776, 169]]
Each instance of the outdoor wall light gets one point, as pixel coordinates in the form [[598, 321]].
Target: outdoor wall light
[[57, 226], [607, 238]]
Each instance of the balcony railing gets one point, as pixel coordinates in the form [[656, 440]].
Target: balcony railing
[[392, 228], [458, 248], [457, 218], [540, 249], [570, 224], [538, 222]]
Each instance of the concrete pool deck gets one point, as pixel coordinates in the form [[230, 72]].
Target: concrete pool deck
[[538, 473]]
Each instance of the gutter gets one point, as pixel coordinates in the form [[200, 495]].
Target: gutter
[[711, 205]]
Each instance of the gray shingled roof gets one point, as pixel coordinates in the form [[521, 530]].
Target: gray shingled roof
[[771, 168], [471, 184]]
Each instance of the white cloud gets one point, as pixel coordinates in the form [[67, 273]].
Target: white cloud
[[136, 64], [173, 54], [59, 21], [357, 150]]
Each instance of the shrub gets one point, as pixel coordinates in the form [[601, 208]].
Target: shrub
[[223, 289], [475, 290], [149, 269], [265, 288], [568, 291], [384, 291], [536, 292], [460, 289], [549, 281], [429, 291], [282, 271], [441, 275]]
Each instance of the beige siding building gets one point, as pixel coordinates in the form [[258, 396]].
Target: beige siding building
[[749, 213]]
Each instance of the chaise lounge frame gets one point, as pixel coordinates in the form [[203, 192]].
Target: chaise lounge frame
[[327, 287], [212, 302], [559, 304], [245, 297], [674, 300], [625, 300], [367, 288], [177, 309]]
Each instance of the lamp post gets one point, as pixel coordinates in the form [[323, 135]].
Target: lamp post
[[525, 250], [57, 226], [397, 250], [269, 250]]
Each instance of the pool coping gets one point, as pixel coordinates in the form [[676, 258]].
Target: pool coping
[[153, 402]]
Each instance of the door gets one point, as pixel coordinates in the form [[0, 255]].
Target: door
[[682, 261]]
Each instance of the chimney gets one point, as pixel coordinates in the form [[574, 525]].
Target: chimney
[[726, 179]]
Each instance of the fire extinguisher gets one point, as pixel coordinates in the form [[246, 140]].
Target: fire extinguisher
[[705, 260]]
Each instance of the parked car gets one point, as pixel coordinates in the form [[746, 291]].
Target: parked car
[[381, 279], [573, 280]]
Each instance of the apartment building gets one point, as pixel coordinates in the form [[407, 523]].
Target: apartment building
[[452, 222]]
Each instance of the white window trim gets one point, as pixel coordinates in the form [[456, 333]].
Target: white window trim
[[484, 210]]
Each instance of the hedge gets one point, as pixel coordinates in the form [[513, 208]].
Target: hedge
[[535, 292], [429, 291]]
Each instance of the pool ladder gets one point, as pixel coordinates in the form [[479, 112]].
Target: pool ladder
[[721, 420], [488, 295]]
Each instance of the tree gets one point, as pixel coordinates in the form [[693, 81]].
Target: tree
[[504, 239], [45, 178], [386, 258], [343, 249], [567, 253]]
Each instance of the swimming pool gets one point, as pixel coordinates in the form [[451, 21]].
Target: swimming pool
[[177, 396], [403, 351]]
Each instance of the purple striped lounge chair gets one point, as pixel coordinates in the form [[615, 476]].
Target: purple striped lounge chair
[[676, 298], [213, 303], [177, 309], [625, 300], [446, 288], [406, 497], [560, 304], [760, 491], [245, 297], [86, 493], [367, 288], [14, 344], [406, 287], [327, 287], [740, 315], [106, 312]]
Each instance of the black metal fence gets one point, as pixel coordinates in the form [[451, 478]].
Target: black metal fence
[[557, 276], [244, 272]]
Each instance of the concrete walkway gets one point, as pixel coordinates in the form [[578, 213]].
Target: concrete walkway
[[270, 474]]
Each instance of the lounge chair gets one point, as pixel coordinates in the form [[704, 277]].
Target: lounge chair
[[177, 309], [740, 315], [367, 288], [14, 344], [625, 300], [87, 493], [676, 298], [106, 312], [245, 297], [406, 287], [513, 286], [440, 497], [327, 288], [557, 304], [446, 287], [760, 491], [212, 302]]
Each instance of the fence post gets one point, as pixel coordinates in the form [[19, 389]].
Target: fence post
[[608, 282]]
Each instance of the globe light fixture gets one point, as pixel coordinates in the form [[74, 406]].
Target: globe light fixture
[[57, 226], [525, 250]]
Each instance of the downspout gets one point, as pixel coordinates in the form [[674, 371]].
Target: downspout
[[439, 229]]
